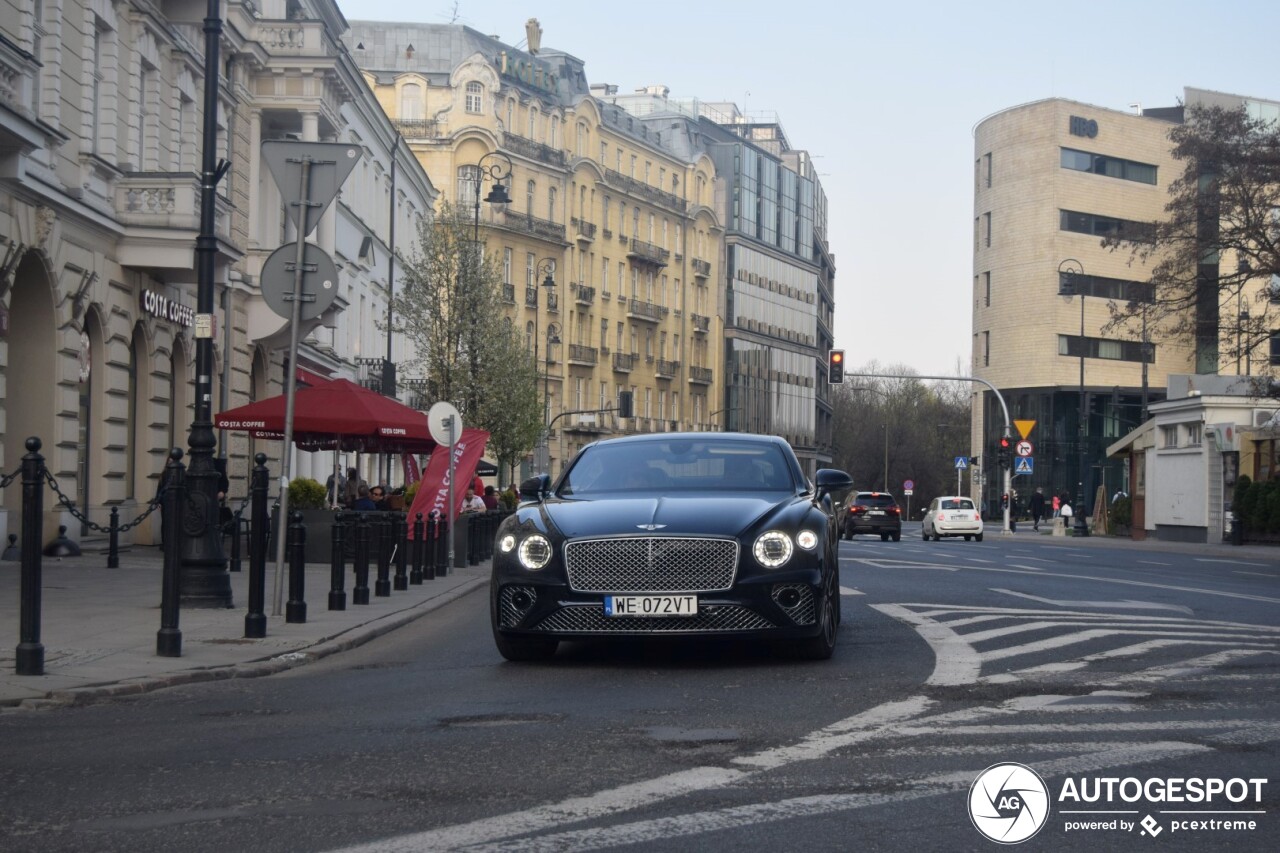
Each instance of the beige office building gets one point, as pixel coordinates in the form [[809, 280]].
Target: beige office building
[[1051, 179]]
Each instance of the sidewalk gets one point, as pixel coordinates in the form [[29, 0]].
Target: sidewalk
[[98, 627]]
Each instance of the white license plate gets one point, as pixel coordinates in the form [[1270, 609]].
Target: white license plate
[[651, 605], [876, 512]]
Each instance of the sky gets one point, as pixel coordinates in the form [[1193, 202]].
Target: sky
[[885, 97]]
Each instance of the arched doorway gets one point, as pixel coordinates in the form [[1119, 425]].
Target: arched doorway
[[30, 383], [90, 484]]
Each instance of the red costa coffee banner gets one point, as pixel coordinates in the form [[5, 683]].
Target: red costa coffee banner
[[433, 494]]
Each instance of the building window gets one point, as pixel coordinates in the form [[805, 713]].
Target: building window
[[533, 122], [986, 221], [1275, 349], [411, 101], [1105, 226], [1102, 348], [986, 349], [986, 169], [1194, 434], [551, 204], [1112, 167], [506, 265], [986, 284], [475, 97], [528, 198], [530, 269], [468, 184], [1169, 436]]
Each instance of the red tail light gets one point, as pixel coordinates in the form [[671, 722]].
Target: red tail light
[[895, 510]]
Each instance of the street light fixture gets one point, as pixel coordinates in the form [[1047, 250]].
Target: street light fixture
[[497, 171], [1071, 283]]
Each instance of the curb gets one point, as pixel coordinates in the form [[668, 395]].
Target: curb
[[349, 639]]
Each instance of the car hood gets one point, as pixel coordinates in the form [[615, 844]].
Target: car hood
[[700, 514]]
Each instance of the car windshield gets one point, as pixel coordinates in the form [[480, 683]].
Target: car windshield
[[957, 503], [688, 465], [878, 499]]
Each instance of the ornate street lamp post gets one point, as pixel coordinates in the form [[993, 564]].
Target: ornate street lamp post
[[205, 582], [1071, 283], [497, 171]]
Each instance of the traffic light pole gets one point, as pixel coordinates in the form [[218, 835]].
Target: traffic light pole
[[1008, 424]]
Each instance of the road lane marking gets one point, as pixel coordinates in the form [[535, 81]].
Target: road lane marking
[[1231, 562], [1258, 574], [1127, 604], [848, 590], [955, 661]]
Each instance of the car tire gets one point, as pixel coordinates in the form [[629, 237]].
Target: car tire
[[884, 537], [897, 537], [525, 649], [967, 537], [822, 646], [978, 537]]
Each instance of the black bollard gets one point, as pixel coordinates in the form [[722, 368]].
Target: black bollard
[[30, 652], [113, 540], [473, 540], [235, 542], [295, 609], [360, 593], [255, 621], [169, 638], [337, 565], [415, 575], [383, 586], [400, 531], [430, 546]]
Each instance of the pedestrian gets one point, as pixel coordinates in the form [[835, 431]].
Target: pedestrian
[[490, 497], [472, 502], [378, 494], [363, 503], [1057, 506], [352, 492], [1037, 507], [1120, 493], [336, 490], [1065, 510]]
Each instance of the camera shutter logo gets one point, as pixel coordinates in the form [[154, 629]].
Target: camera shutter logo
[[1008, 803]]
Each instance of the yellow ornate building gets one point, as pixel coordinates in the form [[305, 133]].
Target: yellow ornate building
[[600, 204]]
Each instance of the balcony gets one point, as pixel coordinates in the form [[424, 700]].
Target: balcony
[[701, 324], [584, 230], [370, 373], [159, 199], [583, 355], [667, 369], [584, 422], [509, 293], [527, 223], [700, 375], [643, 190], [583, 294], [417, 128], [624, 362], [645, 311], [639, 250], [701, 267], [533, 150]]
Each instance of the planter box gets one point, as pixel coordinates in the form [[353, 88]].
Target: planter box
[[319, 524]]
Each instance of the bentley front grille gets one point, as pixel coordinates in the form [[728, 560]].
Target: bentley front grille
[[651, 564], [710, 617]]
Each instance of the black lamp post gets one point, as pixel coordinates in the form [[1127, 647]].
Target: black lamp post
[[1071, 283], [553, 337], [205, 581]]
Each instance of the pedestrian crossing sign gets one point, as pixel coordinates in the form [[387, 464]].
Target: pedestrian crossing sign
[[1024, 465], [962, 462]]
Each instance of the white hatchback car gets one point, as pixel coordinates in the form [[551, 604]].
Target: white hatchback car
[[952, 516]]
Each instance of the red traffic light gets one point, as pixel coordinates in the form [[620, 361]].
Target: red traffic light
[[1004, 442]]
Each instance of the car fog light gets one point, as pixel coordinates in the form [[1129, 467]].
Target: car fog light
[[508, 544], [807, 540], [772, 549]]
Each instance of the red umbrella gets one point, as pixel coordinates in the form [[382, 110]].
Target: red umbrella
[[336, 415]]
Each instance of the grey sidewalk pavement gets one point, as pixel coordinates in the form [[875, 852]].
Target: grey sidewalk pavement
[[98, 627]]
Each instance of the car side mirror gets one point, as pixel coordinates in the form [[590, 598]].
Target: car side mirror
[[830, 481], [535, 487]]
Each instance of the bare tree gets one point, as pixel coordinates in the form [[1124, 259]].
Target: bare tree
[[450, 308], [1219, 237]]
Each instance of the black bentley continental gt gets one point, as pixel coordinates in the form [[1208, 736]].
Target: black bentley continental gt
[[671, 534]]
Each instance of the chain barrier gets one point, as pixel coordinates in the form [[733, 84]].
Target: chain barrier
[[70, 505], [6, 479]]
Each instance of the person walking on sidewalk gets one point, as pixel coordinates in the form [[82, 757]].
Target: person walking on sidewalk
[[1037, 507]]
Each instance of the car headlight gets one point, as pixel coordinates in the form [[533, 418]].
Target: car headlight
[[807, 540], [772, 549], [507, 544], [535, 552]]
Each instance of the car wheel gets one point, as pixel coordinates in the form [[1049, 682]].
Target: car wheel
[[967, 537], [978, 537], [823, 645], [884, 537], [524, 649], [897, 537]]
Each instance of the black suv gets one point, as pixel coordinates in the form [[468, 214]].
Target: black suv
[[872, 512]]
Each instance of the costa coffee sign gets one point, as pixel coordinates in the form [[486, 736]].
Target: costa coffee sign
[[159, 305]]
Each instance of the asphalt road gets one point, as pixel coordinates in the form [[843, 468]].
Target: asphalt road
[[1081, 662]]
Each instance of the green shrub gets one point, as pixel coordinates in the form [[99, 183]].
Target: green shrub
[[1250, 505], [1271, 508], [410, 493], [1122, 512], [306, 493]]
